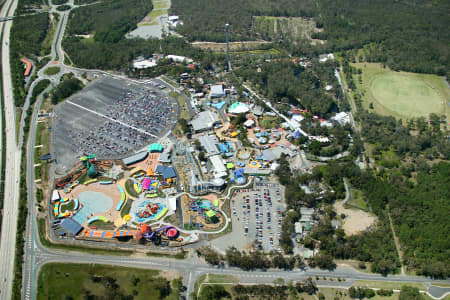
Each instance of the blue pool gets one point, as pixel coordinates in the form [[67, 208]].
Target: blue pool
[[93, 202]]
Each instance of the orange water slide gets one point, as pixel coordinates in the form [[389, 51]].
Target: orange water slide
[[28, 65]]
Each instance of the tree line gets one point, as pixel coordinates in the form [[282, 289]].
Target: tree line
[[27, 35], [406, 35], [284, 82]]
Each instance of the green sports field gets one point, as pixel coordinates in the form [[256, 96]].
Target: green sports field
[[402, 94]]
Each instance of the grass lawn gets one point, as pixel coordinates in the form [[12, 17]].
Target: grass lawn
[[214, 278], [271, 51], [52, 71], [160, 4], [18, 115], [67, 206], [184, 111], [47, 43], [79, 281], [357, 200], [388, 284], [126, 209], [103, 225], [154, 15], [401, 94]]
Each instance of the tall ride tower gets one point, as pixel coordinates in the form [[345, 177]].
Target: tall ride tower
[[227, 28]]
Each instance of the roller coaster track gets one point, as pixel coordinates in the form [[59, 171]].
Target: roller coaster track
[[186, 206]]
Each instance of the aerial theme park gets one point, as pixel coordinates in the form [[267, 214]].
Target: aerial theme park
[[133, 199], [125, 169]]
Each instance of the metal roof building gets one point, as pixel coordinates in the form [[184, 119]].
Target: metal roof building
[[135, 158], [209, 143], [218, 167], [71, 226], [205, 120], [216, 91], [257, 172], [166, 172]]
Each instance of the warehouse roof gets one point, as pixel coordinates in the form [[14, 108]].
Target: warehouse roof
[[209, 142], [166, 172], [71, 225], [216, 91], [218, 165], [205, 120], [135, 158]]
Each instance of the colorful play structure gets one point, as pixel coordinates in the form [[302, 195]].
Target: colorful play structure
[[148, 182], [87, 164], [143, 231], [57, 208], [149, 211], [205, 209]]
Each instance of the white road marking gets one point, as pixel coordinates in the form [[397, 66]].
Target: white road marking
[[111, 119]]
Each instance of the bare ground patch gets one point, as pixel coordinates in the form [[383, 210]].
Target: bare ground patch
[[356, 220], [221, 47]]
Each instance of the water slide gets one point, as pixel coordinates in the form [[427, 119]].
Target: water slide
[[80, 169], [173, 233], [109, 234]]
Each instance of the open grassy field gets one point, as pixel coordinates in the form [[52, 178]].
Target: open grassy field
[[80, 281], [357, 200], [401, 94]]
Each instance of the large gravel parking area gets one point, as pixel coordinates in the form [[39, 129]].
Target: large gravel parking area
[[111, 118]]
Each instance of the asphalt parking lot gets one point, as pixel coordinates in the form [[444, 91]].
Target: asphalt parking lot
[[256, 216], [111, 118]]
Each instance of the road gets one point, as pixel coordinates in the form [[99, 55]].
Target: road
[[36, 255], [10, 208]]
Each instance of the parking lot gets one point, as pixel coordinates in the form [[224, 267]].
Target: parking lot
[[256, 216], [111, 118]]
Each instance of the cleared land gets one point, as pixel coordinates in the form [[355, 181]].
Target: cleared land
[[356, 220], [234, 46], [401, 94], [76, 281], [160, 8], [293, 28]]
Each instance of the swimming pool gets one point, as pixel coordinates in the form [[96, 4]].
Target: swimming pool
[[93, 202]]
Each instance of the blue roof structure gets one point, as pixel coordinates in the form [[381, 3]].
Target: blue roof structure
[[169, 172], [71, 225], [46, 157], [166, 172]]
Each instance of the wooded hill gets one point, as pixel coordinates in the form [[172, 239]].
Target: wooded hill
[[410, 35]]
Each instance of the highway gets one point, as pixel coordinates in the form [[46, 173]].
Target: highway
[[36, 255], [10, 208]]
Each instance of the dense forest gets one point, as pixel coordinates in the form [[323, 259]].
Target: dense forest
[[206, 19], [27, 35], [409, 182], [68, 86], [288, 83], [29, 6], [108, 48], [408, 35]]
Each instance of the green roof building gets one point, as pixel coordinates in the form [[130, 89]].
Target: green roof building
[[155, 147]]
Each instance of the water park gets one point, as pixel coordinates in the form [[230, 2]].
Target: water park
[[108, 200]]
